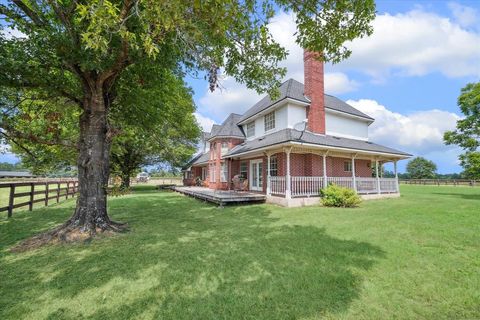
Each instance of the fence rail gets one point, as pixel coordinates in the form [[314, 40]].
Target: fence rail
[[442, 182], [56, 193]]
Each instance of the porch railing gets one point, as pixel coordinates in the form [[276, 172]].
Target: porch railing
[[366, 185], [306, 186], [278, 185], [346, 182], [388, 185], [310, 186]]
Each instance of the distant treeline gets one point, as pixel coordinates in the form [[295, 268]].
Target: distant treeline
[[5, 166], [390, 174]]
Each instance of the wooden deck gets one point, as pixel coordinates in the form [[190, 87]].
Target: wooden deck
[[221, 197]]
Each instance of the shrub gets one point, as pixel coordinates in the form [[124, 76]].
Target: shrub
[[336, 196]]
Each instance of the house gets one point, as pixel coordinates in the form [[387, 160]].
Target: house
[[16, 174], [290, 147]]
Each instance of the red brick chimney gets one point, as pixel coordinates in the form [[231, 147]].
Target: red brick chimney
[[314, 90]]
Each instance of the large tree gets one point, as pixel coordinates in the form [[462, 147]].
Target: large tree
[[421, 168], [80, 49], [165, 131], [467, 133]]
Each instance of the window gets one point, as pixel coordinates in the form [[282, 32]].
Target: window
[[250, 129], [273, 166], [212, 173], [270, 121], [223, 173], [347, 166], [224, 148], [243, 169]]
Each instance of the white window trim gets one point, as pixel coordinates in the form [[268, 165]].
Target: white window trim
[[252, 124], [265, 121], [349, 165]]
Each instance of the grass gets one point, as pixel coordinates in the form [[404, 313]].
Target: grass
[[413, 257]]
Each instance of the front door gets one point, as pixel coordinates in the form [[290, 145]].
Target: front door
[[256, 182]]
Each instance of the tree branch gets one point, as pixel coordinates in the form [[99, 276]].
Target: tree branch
[[29, 12], [14, 133]]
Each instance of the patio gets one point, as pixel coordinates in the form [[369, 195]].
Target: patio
[[221, 197]]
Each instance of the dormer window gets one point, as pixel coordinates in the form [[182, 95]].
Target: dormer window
[[250, 129], [270, 121]]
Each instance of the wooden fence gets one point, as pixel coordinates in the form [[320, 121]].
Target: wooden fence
[[62, 189], [442, 182]]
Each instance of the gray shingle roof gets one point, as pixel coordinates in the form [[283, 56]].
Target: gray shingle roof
[[287, 135], [228, 128], [294, 90], [16, 174], [336, 104], [289, 89], [197, 160]]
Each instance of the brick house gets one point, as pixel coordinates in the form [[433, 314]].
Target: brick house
[[291, 147]]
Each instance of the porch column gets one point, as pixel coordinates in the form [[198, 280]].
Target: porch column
[[396, 175], [288, 193], [269, 191], [325, 182], [377, 176], [353, 174]]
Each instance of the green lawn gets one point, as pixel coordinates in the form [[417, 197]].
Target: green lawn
[[415, 257]]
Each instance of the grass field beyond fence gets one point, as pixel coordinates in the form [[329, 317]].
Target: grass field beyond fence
[[416, 257]]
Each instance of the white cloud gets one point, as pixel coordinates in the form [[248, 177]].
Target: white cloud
[[464, 16], [204, 122], [410, 44], [419, 133], [232, 98], [414, 44], [338, 83]]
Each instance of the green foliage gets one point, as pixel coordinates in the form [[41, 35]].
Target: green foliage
[[421, 168], [467, 133], [470, 162], [78, 52], [336, 196], [118, 190]]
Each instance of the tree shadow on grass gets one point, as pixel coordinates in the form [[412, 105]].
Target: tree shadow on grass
[[460, 195], [186, 259]]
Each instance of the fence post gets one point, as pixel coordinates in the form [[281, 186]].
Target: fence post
[[32, 190], [46, 194], [68, 190], [58, 192], [10, 200]]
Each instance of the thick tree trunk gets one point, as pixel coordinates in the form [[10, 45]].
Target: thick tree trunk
[[125, 180], [90, 214], [91, 210]]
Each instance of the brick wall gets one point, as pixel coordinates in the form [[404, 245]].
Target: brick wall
[[314, 89], [312, 165]]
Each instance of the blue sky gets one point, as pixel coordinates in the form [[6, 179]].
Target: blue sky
[[407, 75]]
